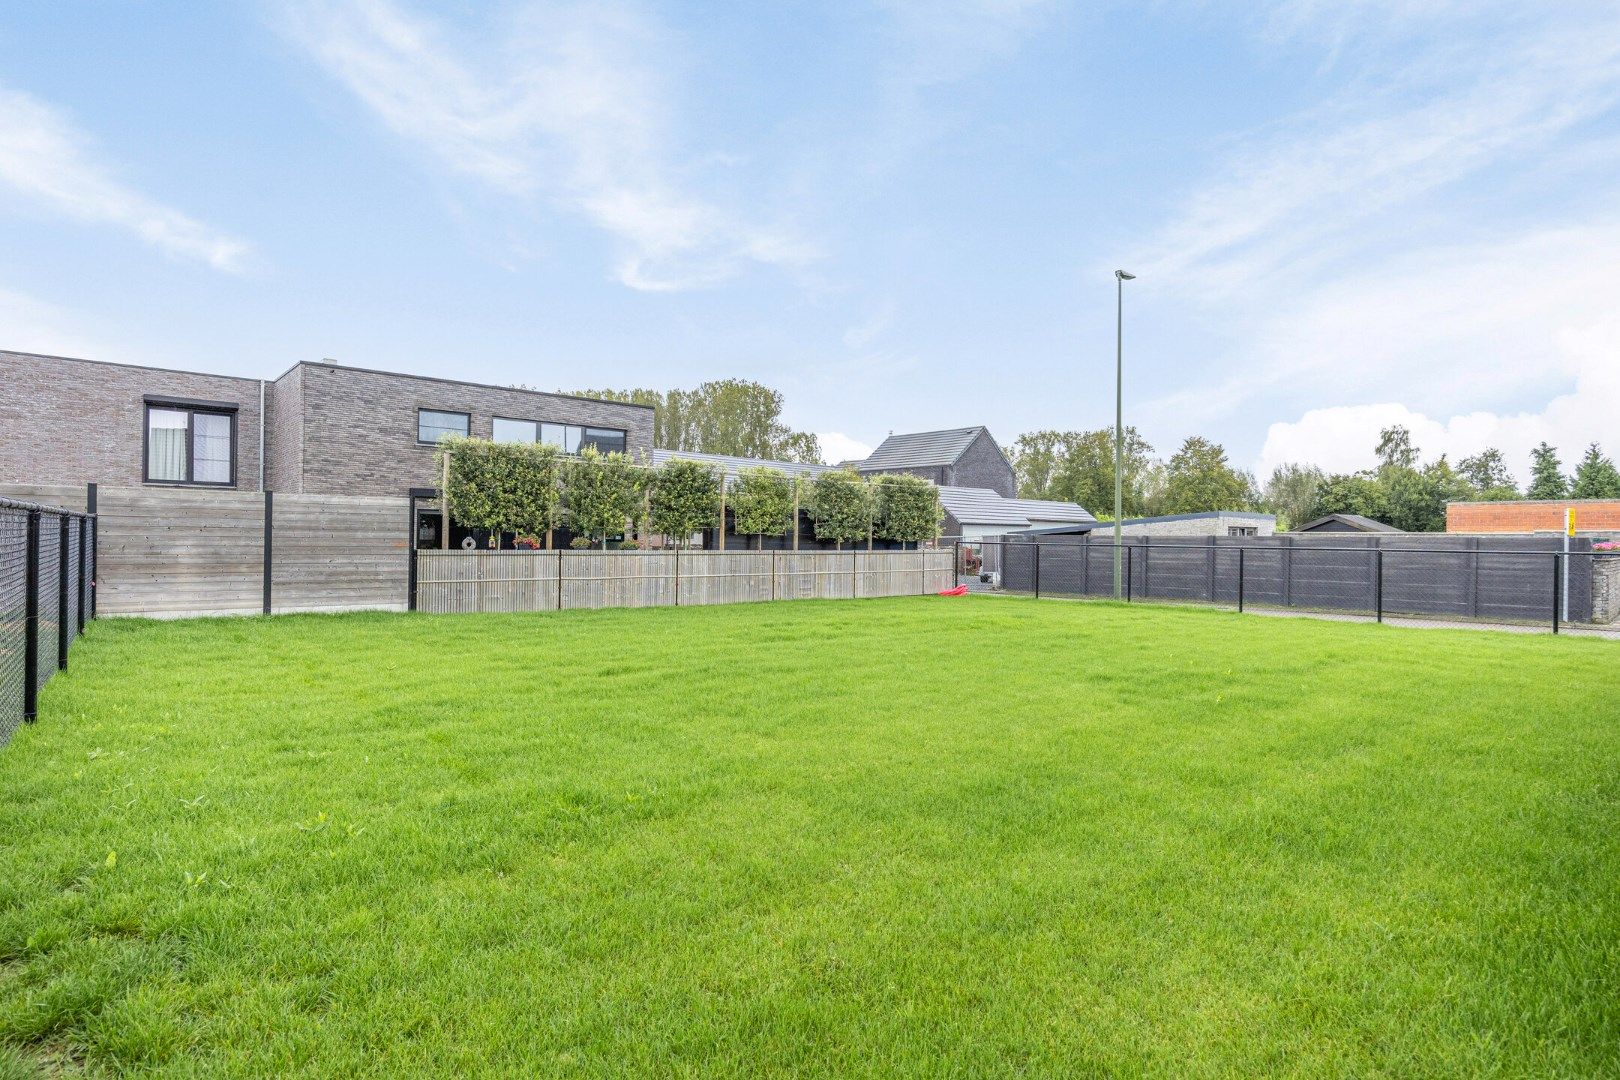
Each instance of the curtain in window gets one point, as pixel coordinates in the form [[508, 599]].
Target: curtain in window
[[165, 444], [211, 448]]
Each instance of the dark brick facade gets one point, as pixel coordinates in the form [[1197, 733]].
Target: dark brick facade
[[359, 426], [331, 430], [65, 421]]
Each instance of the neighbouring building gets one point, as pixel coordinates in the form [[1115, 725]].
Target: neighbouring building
[[1345, 523], [1209, 523], [959, 457], [319, 428], [1593, 517]]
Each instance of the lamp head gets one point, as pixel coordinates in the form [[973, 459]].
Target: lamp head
[[1124, 276]]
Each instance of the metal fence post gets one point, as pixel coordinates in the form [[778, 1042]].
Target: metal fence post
[[677, 576], [31, 618], [84, 598], [560, 578], [64, 632], [1037, 548], [1557, 592], [1130, 573], [410, 556], [1240, 579], [1378, 582]]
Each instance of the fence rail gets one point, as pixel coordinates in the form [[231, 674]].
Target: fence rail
[[468, 581], [47, 592], [1463, 586]]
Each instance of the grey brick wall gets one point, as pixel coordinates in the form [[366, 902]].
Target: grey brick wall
[[1605, 588], [983, 465], [67, 421], [284, 431], [359, 426], [1199, 526]]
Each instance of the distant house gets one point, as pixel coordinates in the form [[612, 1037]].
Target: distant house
[[1332, 523], [1206, 523], [958, 457]]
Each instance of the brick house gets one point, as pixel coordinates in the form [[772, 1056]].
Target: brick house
[[322, 428], [959, 457], [1593, 517]]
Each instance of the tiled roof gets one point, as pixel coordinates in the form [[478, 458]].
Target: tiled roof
[[922, 449]]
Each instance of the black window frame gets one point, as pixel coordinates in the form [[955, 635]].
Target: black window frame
[[191, 408], [420, 409], [585, 438]]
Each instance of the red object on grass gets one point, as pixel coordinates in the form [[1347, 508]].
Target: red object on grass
[[960, 590]]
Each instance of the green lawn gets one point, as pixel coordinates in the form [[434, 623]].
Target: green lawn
[[969, 837]]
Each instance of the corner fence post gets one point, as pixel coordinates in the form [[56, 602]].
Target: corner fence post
[[560, 578], [64, 631], [1378, 582], [269, 539], [410, 555], [1557, 561], [31, 619], [1130, 573], [90, 495], [1037, 548], [1240, 579], [677, 575]]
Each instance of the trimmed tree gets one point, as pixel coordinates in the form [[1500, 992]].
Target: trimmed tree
[[503, 487], [685, 499], [761, 503], [908, 508], [602, 494], [841, 506]]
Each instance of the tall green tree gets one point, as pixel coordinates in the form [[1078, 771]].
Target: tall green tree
[[1395, 449], [1290, 493], [685, 499], [603, 494], [762, 503], [1198, 478], [1418, 497], [1355, 493], [841, 506], [1596, 476], [1078, 466], [723, 416], [1488, 473], [1547, 480], [907, 508]]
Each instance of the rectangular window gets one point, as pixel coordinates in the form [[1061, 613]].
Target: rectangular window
[[516, 431], [1242, 530], [433, 425], [553, 435], [607, 440], [190, 446]]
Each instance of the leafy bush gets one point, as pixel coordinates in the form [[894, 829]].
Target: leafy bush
[[685, 498], [841, 506], [907, 508], [503, 487], [762, 502]]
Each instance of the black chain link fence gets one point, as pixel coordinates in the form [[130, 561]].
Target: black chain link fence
[[1475, 586], [47, 592]]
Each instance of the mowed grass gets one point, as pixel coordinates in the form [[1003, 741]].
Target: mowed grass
[[967, 837]]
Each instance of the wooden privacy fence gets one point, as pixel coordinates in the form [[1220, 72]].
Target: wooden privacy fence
[[466, 581]]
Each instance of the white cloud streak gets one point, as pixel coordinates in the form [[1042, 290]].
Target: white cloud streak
[[569, 106], [46, 160]]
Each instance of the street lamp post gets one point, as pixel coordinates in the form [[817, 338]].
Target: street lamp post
[[1120, 278]]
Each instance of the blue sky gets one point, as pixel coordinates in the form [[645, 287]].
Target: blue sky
[[903, 215]]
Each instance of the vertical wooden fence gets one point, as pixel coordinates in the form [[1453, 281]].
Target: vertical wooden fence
[[465, 581]]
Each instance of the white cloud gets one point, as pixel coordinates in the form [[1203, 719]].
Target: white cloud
[[836, 447], [45, 159], [568, 105]]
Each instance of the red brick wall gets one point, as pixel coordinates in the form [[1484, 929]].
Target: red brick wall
[[1591, 515]]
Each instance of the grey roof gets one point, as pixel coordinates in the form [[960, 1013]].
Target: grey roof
[[731, 464], [981, 506], [922, 449], [1092, 524], [1357, 522]]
